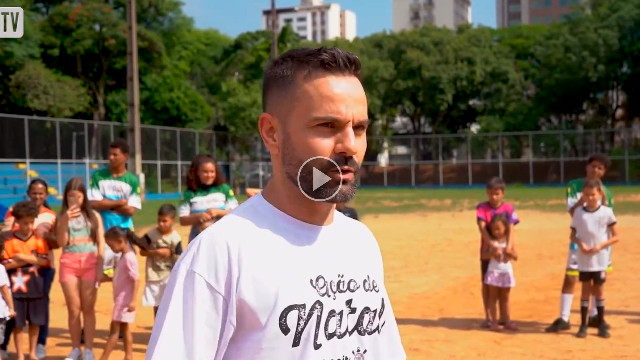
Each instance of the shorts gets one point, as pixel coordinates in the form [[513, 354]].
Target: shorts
[[501, 279], [121, 314], [75, 267], [484, 266], [3, 327], [572, 263], [31, 311], [153, 291], [598, 277]]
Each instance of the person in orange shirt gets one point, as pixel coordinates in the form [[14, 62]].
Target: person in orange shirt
[[37, 191], [24, 255]]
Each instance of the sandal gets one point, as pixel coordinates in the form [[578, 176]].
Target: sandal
[[495, 327], [511, 326], [486, 324]]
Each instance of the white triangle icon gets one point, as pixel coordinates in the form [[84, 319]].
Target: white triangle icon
[[319, 178]]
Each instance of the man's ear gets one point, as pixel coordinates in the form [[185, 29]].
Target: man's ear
[[268, 126]]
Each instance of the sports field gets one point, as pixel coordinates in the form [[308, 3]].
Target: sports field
[[429, 242]]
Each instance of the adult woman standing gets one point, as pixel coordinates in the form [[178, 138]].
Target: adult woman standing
[[37, 191], [80, 234], [207, 197]]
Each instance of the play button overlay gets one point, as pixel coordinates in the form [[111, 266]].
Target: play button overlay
[[314, 179]]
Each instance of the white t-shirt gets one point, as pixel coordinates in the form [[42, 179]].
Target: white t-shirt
[[593, 229], [4, 281], [259, 284], [500, 265]]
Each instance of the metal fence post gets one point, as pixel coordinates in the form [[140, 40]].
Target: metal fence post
[[413, 163], [179, 162], [197, 142], [500, 156], [26, 149], [58, 155], [530, 159], [111, 133], [562, 157], [86, 153], [440, 170], [158, 164], [385, 152], [626, 157], [469, 169]]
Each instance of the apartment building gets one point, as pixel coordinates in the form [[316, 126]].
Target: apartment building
[[314, 20], [515, 12], [412, 14]]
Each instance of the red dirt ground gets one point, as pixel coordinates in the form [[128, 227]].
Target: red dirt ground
[[432, 275]]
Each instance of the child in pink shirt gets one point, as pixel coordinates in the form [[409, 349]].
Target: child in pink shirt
[[125, 289]]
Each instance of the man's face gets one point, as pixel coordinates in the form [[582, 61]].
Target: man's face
[[595, 170], [328, 118], [116, 157]]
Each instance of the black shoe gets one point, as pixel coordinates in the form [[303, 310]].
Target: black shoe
[[603, 331], [558, 325], [582, 333], [121, 335], [595, 323], [82, 337]]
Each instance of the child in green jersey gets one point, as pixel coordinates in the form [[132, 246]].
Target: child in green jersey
[[207, 198], [597, 166]]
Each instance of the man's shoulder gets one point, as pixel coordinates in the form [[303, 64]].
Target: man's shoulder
[[575, 184]]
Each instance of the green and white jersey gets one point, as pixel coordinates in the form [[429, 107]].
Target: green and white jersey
[[574, 193], [103, 185], [213, 197]]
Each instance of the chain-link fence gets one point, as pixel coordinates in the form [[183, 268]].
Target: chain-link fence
[[58, 149]]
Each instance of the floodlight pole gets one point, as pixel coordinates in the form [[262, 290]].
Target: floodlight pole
[[274, 30], [133, 92]]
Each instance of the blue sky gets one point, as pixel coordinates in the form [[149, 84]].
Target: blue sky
[[237, 16]]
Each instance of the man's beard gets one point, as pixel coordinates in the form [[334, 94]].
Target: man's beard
[[292, 164]]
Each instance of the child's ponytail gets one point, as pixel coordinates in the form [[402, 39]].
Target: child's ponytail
[[116, 232]]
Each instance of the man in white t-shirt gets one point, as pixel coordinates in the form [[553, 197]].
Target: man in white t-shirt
[[285, 276], [596, 226]]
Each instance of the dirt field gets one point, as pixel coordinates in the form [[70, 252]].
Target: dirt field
[[432, 274]]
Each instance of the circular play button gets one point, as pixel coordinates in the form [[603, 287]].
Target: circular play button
[[319, 178]]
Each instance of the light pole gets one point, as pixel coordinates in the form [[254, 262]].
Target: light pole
[[274, 30], [133, 91]]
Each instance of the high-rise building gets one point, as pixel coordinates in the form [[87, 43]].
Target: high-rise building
[[412, 14], [314, 20], [515, 12]]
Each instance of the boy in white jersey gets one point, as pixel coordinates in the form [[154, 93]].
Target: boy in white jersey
[[285, 276], [596, 225]]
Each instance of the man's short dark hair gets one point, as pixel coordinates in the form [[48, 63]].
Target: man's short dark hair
[[601, 158], [121, 144], [167, 210], [299, 64], [496, 183], [24, 209]]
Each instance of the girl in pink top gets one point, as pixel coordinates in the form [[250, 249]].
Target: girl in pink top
[[125, 289]]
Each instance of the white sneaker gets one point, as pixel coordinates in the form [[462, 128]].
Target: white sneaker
[[74, 355], [41, 351], [88, 355], [4, 354]]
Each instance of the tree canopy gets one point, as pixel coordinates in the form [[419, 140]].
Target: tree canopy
[[72, 63]]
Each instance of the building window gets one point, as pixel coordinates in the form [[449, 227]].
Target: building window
[[514, 22], [302, 19], [415, 16], [514, 8], [301, 28], [288, 21]]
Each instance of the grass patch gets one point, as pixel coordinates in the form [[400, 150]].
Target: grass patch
[[389, 201]]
